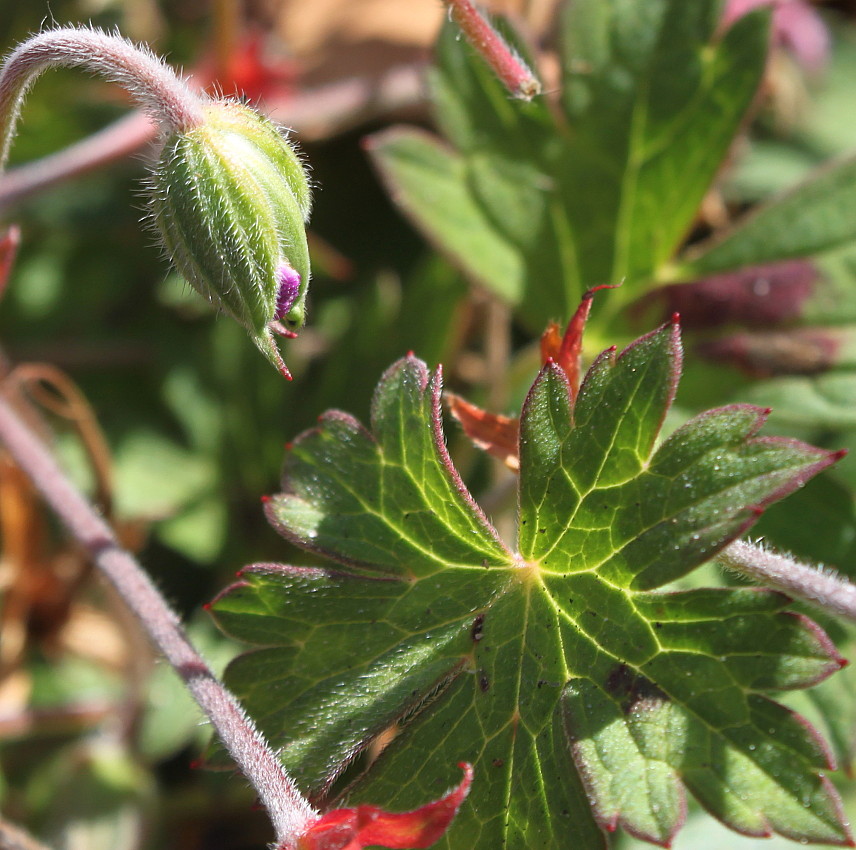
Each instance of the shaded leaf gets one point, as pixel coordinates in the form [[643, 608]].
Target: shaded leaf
[[816, 216], [539, 210]]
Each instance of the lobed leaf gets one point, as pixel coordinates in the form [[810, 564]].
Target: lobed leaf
[[584, 697]]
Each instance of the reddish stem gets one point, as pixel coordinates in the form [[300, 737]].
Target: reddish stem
[[289, 811], [515, 74], [168, 100]]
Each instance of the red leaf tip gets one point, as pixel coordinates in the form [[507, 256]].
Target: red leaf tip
[[589, 293], [206, 606], [365, 826]]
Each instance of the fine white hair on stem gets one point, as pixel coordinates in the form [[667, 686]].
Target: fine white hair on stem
[[168, 99], [818, 586], [290, 813]]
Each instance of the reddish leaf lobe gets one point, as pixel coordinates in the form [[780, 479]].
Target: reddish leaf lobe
[[369, 826], [499, 435], [495, 434], [566, 351]]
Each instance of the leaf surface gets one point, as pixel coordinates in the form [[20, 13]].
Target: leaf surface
[[814, 217], [584, 697], [539, 209]]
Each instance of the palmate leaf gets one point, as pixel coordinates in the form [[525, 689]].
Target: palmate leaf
[[584, 697]]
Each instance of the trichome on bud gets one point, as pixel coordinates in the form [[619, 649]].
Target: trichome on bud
[[230, 198]]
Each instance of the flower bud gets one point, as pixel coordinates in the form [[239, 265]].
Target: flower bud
[[230, 198]]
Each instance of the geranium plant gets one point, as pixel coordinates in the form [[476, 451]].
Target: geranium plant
[[567, 659]]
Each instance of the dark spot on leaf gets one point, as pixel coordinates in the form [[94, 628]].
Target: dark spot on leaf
[[591, 613], [484, 683], [476, 631], [658, 625], [634, 693], [498, 762], [542, 530]]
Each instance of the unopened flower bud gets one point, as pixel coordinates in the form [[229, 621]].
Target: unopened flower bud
[[230, 198]]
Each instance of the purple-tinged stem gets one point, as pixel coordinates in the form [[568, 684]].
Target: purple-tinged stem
[[168, 100], [117, 141], [810, 584], [289, 811], [315, 112], [515, 74]]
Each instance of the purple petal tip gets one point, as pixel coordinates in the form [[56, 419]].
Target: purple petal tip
[[289, 286]]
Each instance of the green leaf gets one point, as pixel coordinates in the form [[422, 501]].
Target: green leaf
[[647, 141], [584, 697], [816, 216], [192, 513], [822, 401], [428, 180], [538, 209]]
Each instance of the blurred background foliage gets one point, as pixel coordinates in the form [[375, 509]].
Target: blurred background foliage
[[96, 738]]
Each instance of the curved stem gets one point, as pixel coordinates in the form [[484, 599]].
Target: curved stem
[[810, 584], [169, 101], [289, 811]]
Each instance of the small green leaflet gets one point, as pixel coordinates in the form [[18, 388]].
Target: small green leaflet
[[584, 698]]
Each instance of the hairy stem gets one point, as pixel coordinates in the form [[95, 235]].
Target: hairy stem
[[289, 811], [810, 584], [514, 73], [117, 141], [168, 100]]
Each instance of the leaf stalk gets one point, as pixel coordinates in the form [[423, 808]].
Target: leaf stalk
[[514, 73], [167, 99], [810, 584]]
